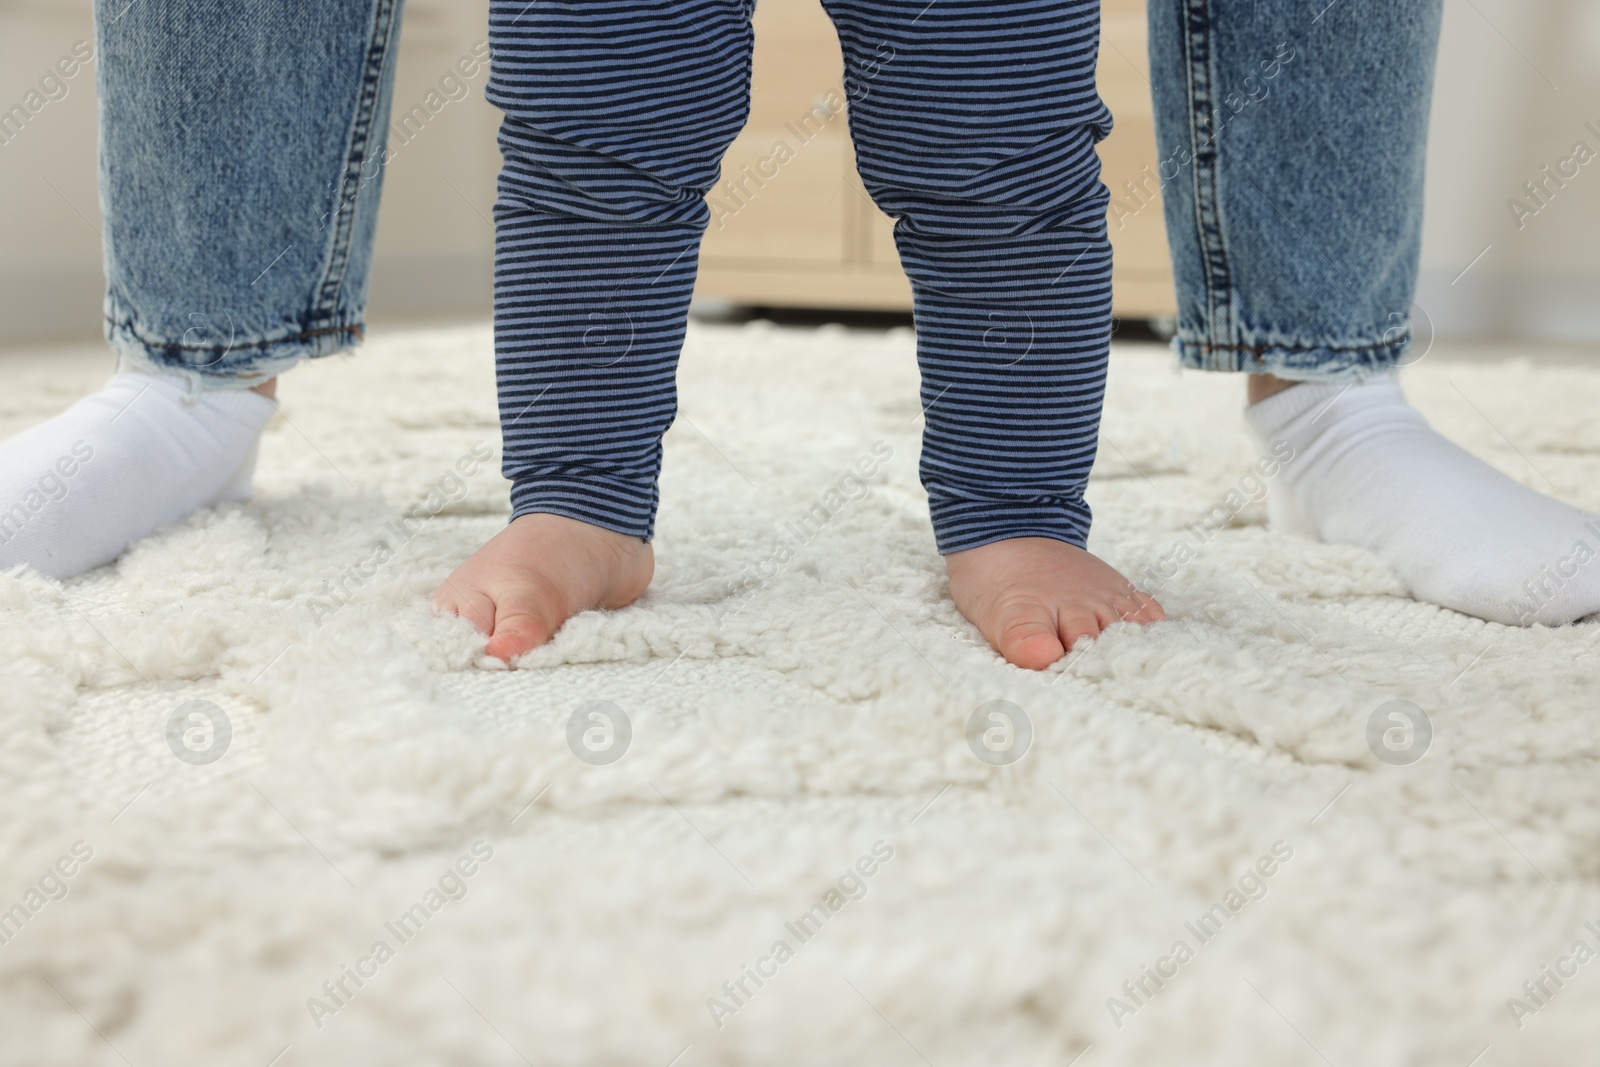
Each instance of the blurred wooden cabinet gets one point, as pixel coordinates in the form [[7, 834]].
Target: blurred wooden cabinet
[[792, 225]]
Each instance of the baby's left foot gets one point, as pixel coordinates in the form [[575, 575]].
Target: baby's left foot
[[1032, 597]]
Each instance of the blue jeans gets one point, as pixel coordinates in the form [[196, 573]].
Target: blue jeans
[[240, 178], [241, 151], [1290, 144]]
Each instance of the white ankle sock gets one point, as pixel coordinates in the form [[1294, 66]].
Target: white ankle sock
[[77, 489], [1368, 470]]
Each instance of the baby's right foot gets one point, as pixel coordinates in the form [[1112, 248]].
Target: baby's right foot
[[1032, 598], [537, 573]]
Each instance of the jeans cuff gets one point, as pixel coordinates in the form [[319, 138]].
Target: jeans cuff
[[612, 503], [213, 357], [960, 524], [1345, 361]]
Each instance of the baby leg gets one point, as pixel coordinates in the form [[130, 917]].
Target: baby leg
[[617, 115], [975, 128]]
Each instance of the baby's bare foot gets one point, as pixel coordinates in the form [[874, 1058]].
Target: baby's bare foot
[[1033, 597], [540, 571]]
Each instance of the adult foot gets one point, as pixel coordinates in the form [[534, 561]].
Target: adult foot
[[140, 454], [1033, 597], [540, 571], [1368, 470]]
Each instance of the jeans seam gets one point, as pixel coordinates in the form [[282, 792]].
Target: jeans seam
[[128, 325], [1288, 347], [1207, 171], [383, 23]]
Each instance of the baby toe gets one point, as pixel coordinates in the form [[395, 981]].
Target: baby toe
[[1077, 623], [472, 605], [1028, 637]]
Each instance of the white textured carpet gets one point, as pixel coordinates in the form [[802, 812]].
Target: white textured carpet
[[775, 741]]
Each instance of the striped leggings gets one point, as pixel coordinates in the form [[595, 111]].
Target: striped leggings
[[974, 123]]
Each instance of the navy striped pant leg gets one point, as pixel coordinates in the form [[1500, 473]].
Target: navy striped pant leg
[[975, 125], [617, 115]]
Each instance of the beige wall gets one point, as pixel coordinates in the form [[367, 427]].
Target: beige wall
[[1518, 82], [1497, 121], [435, 244], [50, 278]]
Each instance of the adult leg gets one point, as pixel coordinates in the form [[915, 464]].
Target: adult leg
[[1292, 145], [617, 116], [241, 162], [975, 128]]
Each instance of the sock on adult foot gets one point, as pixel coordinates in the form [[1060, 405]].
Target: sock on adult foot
[[1368, 470], [116, 466]]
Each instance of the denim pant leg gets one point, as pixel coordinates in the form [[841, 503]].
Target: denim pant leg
[[617, 116], [241, 152], [1291, 142]]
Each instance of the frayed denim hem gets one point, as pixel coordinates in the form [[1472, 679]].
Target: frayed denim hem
[[1308, 363], [214, 359]]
